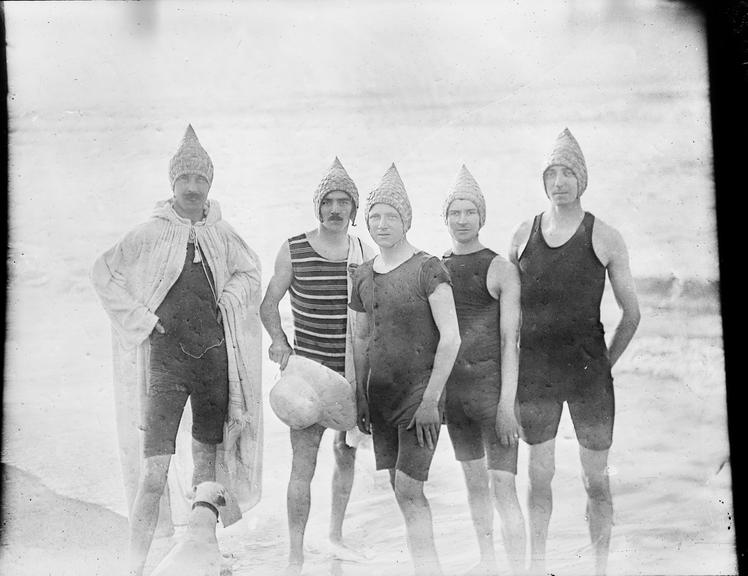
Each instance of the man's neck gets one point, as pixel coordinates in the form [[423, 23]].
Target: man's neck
[[193, 217], [566, 214], [332, 237], [470, 247], [395, 255]]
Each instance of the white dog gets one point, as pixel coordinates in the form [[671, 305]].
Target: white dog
[[197, 553]]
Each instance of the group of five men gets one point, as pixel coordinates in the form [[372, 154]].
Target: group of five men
[[491, 346]]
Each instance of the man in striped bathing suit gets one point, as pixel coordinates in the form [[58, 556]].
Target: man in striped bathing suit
[[315, 269]]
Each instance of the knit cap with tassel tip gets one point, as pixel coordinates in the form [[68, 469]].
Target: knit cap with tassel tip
[[466, 188], [190, 158], [566, 152], [336, 180], [391, 191]]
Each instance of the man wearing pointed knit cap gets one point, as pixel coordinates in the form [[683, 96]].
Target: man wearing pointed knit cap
[[405, 344], [564, 255], [315, 268], [182, 291], [482, 387]]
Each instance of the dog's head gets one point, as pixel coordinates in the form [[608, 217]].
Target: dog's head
[[210, 492]]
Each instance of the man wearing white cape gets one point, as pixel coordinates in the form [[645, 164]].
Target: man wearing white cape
[[182, 292]]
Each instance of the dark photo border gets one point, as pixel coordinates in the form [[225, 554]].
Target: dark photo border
[[727, 42]]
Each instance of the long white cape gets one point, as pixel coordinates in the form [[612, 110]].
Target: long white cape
[[132, 279]]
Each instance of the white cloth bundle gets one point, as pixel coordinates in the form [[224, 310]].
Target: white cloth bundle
[[308, 393]]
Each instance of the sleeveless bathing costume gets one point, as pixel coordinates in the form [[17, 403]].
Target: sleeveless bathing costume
[[474, 386], [319, 303], [563, 356]]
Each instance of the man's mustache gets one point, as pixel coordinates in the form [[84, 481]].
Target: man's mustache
[[335, 218]]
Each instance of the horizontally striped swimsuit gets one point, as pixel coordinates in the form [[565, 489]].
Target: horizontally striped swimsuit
[[319, 302]]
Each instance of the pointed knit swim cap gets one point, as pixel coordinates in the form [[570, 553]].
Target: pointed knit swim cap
[[391, 191], [190, 158], [466, 188], [336, 180], [566, 152]]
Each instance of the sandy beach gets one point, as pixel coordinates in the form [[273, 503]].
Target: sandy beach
[[100, 96]]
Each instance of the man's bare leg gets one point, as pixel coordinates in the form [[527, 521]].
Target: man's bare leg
[[481, 511], [418, 523], [342, 484], [144, 513], [540, 500], [599, 503], [164, 525], [305, 445], [512, 521], [204, 459]]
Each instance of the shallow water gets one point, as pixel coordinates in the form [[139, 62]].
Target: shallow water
[[100, 96]]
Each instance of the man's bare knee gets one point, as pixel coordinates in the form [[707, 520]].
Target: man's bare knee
[[407, 488], [476, 475], [345, 456], [504, 486], [303, 466], [595, 474], [302, 474], [152, 484], [305, 445], [542, 466], [541, 474], [597, 487], [204, 458], [203, 449], [153, 475]]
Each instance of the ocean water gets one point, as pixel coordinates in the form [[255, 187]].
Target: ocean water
[[100, 95]]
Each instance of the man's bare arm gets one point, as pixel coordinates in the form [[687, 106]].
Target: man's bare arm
[[614, 250], [361, 364], [503, 283], [519, 241], [280, 350], [426, 418]]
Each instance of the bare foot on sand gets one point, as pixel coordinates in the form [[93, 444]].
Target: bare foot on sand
[[164, 531], [340, 551], [538, 569], [227, 564], [483, 568], [293, 569]]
